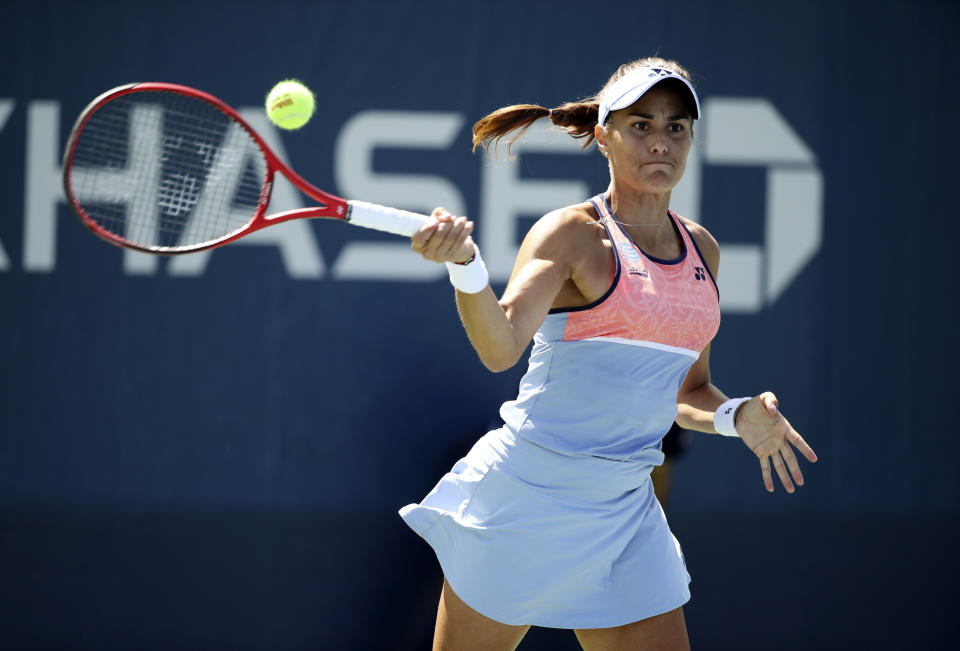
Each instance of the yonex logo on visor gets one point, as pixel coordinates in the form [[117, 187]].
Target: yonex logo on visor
[[632, 86]]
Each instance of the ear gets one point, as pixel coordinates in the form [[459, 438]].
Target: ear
[[600, 135]]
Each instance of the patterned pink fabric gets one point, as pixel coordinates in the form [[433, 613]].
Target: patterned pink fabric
[[672, 303]]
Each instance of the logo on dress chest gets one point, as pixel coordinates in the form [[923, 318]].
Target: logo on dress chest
[[632, 260]]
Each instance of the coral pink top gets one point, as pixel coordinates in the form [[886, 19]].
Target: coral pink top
[[672, 303]]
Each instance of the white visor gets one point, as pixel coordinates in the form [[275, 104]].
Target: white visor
[[631, 87]]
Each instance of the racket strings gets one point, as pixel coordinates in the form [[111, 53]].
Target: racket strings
[[166, 171]]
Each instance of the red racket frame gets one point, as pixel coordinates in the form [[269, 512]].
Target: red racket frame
[[333, 207]]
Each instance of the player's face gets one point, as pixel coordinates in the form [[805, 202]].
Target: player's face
[[647, 143]]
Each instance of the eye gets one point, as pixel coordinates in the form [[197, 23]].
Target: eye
[[676, 127], [642, 125]]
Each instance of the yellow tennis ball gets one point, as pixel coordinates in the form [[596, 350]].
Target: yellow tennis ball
[[290, 104]]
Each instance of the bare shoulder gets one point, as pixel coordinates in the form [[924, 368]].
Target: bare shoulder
[[560, 242], [565, 229], [705, 242], [579, 217]]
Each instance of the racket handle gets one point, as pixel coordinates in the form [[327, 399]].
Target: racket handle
[[382, 218]]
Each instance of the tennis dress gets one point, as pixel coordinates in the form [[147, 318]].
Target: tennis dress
[[551, 520]]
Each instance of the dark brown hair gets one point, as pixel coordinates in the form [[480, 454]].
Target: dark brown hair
[[576, 118]]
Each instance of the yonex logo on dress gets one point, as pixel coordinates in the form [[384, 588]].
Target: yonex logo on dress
[[699, 273], [638, 271]]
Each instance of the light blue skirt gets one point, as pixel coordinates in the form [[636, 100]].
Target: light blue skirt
[[526, 535]]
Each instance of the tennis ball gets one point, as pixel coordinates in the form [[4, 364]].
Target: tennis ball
[[290, 104]]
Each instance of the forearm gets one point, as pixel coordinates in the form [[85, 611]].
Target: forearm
[[490, 331], [500, 330], [695, 408]]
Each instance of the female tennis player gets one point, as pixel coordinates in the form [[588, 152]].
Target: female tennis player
[[551, 520]]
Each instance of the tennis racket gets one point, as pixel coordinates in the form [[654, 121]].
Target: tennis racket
[[169, 169]]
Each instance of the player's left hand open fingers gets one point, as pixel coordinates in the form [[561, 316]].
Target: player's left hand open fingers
[[792, 465], [797, 441], [767, 475], [781, 469]]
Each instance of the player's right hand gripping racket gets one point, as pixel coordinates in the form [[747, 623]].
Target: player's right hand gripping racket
[[168, 169]]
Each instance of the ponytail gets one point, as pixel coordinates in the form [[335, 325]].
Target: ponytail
[[576, 118]]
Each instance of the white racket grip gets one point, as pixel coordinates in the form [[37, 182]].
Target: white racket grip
[[382, 218]]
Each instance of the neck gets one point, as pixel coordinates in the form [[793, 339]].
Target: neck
[[645, 215], [639, 207]]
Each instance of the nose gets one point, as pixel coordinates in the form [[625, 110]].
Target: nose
[[658, 144]]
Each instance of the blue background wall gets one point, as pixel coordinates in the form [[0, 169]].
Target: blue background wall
[[216, 460]]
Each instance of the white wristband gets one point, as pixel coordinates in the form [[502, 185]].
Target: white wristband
[[724, 415], [469, 278]]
